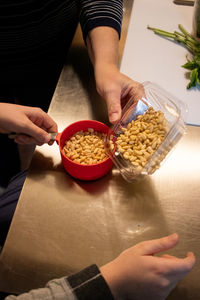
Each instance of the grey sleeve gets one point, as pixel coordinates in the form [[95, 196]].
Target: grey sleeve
[[57, 289], [88, 284]]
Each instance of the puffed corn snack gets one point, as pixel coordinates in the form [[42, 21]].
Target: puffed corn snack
[[86, 148], [142, 137]]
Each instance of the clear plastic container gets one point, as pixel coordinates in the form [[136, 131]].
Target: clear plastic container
[[174, 113]]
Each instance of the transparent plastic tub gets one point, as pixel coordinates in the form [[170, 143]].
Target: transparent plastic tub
[[162, 104]]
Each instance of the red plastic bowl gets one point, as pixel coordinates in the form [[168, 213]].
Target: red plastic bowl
[[83, 172]]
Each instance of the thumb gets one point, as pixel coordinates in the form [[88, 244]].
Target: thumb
[[113, 102], [36, 132], [157, 245]]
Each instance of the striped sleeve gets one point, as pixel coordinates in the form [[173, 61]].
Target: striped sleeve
[[101, 13]]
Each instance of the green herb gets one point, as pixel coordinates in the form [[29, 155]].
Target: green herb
[[185, 38]]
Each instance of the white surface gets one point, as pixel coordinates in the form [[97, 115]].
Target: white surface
[[149, 57]]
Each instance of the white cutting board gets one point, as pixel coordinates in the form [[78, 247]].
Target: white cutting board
[[149, 57]]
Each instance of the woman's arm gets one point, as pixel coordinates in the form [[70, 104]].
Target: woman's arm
[[114, 87], [101, 26]]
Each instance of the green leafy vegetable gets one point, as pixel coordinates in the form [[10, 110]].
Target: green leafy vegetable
[[185, 38]]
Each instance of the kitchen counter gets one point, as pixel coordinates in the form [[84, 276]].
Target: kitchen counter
[[150, 57], [62, 225]]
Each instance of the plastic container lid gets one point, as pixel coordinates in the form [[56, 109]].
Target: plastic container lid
[[146, 133]]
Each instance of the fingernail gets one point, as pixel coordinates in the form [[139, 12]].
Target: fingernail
[[114, 117], [190, 253], [47, 138], [174, 236]]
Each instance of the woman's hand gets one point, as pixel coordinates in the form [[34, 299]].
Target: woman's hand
[[116, 88], [137, 274], [32, 124]]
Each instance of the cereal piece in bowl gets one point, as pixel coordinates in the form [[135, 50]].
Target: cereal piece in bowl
[[86, 148]]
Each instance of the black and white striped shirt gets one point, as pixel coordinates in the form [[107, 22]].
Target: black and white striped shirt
[[34, 30]]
